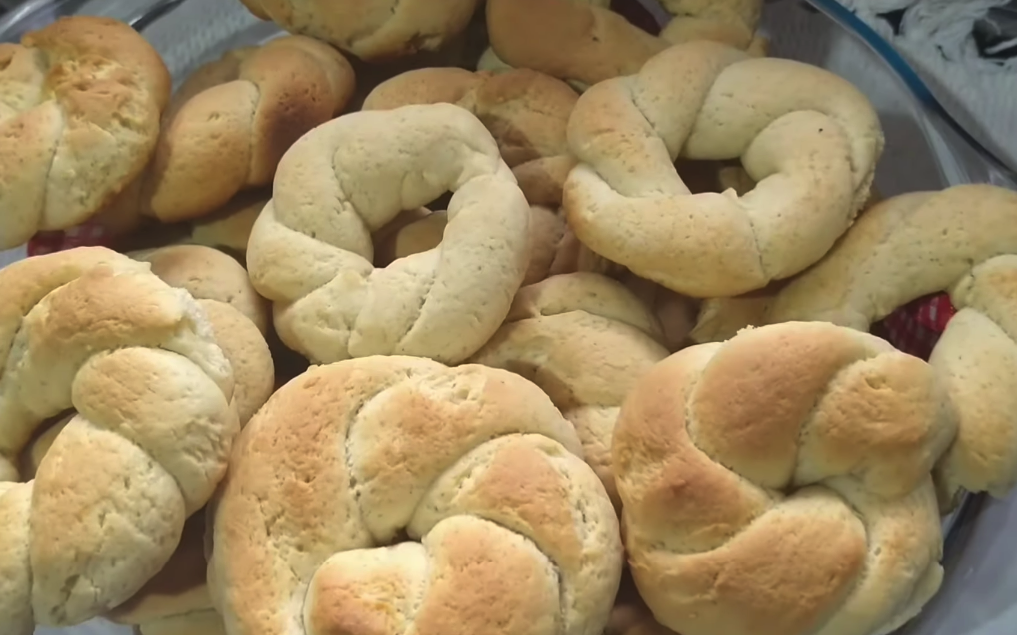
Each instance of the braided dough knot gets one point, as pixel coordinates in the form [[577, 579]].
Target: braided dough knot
[[96, 331], [517, 535], [780, 483], [231, 122], [808, 138], [962, 240], [311, 251], [79, 117], [585, 340]]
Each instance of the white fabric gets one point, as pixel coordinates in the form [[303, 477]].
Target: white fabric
[[936, 38]]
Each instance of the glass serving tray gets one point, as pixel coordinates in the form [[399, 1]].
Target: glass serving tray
[[925, 149]]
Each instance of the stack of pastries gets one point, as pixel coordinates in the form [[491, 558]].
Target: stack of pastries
[[460, 349]]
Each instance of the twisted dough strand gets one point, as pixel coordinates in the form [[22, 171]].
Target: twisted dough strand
[[79, 117], [585, 340], [962, 240], [809, 139], [518, 535], [95, 331], [311, 251], [779, 483], [231, 122]]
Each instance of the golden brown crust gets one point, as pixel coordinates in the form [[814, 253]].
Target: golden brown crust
[[374, 30], [96, 331], [585, 340], [569, 40], [234, 119], [526, 112], [495, 493], [904, 248], [79, 121], [209, 274], [779, 483], [311, 249], [811, 150], [238, 315]]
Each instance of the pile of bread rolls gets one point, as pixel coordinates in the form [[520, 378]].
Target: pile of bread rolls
[[569, 337]]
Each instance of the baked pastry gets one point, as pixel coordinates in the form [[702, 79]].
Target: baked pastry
[[79, 118], [731, 22], [547, 228], [582, 41], [780, 483], [230, 227], [311, 250], [232, 120], [97, 331], [238, 315], [676, 314], [809, 139], [527, 113], [372, 30], [517, 535], [962, 240], [585, 340], [176, 601]]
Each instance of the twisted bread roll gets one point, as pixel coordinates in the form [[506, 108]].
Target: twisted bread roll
[[79, 117], [231, 122], [176, 601], [578, 40], [779, 483], [585, 340], [517, 534], [962, 240], [96, 331], [526, 111], [584, 42], [238, 315], [425, 232], [809, 139], [311, 251], [371, 30]]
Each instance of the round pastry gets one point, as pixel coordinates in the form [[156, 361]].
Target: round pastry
[[779, 483], [79, 121], [311, 250], [516, 534], [808, 139], [962, 240], [526, 111], [136, 358], [176, 601], [232, 120], [372, 29], [425, 232], [239, 316], [585, 340]]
